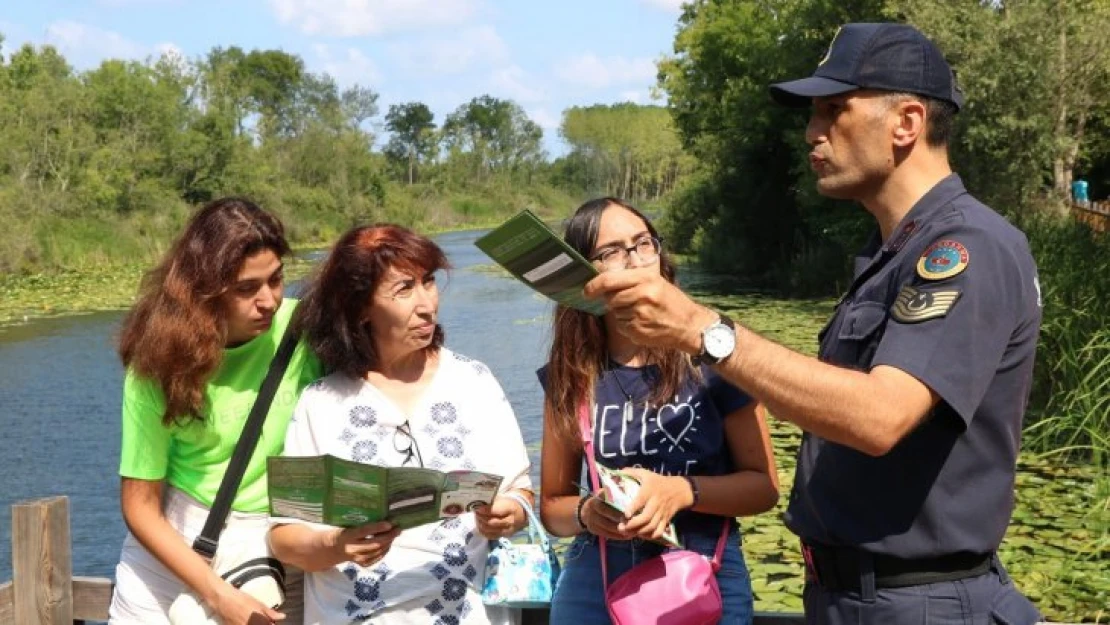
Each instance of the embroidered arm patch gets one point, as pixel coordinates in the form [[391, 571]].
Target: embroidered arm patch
[[943, 259], [914, 305]]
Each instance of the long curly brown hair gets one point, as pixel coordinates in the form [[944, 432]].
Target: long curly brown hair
[[175, 333], [579, 351]]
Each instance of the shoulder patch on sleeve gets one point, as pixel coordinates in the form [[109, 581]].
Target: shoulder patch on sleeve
[[943, 259], [914, 305]]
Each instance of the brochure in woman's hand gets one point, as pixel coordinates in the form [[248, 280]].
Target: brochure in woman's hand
[[619, 490], [335, 491]]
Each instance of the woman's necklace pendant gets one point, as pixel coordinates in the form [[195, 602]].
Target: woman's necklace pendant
[[627, 411]]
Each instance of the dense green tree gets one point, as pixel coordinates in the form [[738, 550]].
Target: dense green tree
[[359, 104], [625, 149], [1036, 73], [753, 212], [488, 135], [273, 81], [413, 134]]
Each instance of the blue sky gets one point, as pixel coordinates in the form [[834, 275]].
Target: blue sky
[[545, 55]]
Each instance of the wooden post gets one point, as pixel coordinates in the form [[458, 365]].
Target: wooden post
[[7, 608], [42, 565]]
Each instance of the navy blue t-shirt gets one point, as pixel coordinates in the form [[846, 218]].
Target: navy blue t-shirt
[[684, 436]]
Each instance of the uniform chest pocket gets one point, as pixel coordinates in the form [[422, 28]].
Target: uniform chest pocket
[[859, 335]]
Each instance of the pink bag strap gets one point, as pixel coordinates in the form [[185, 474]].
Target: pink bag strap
[[586, 430]]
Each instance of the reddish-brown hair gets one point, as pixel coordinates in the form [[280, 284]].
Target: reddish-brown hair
[[579, 347], [331, 316], [175, 334]]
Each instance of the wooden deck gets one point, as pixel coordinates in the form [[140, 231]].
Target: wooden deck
[[43, 590]]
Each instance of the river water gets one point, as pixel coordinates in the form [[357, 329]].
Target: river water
[[60, 397]]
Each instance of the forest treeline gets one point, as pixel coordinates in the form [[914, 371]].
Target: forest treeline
[[100, 166]]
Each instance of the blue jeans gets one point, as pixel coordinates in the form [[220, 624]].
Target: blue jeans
[[580, 598]]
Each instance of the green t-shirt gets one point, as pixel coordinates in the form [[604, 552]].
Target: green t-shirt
[[193, 457]]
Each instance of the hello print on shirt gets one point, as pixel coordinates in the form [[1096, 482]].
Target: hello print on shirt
[[667, 437], [682, 437]]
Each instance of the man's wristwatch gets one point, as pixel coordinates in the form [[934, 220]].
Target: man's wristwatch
[[718, 341]]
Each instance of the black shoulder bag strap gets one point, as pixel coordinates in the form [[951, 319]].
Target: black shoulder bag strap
[[209, 537]]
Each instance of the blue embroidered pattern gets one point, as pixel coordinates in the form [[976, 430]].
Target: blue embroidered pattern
[[454, 555], [444, 413], [363, 417], [454, 589], [444, 435], [450, 447], [364, 451], [439, 571], [366, 589], [347, 435], [463, 609]]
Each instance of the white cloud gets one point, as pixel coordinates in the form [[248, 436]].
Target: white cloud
[[353, 18], [590, 71], [86, 46], [545, 118], [348, 66], [670, 6], [451, 54], [514, 83]]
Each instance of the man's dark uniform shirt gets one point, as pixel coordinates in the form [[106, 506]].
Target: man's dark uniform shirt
[[952, 299]]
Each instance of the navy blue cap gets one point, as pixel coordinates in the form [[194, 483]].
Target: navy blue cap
[[886, 57]]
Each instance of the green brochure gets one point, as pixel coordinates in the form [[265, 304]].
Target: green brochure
[[618, 490], [331, 490], [538, 257]]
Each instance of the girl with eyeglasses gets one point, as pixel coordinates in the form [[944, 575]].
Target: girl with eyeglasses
[[698, 445], [395, 396]]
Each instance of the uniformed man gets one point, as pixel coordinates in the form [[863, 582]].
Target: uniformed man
[[912, 412]]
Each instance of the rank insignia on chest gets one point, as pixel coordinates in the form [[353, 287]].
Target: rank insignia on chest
[[943, 259], [914, 305]]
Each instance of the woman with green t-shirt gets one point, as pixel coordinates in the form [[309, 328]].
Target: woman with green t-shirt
[[196, 347]]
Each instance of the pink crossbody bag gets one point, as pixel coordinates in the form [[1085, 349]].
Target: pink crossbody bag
[[678, 587]]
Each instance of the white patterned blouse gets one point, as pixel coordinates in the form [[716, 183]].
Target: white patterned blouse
[[433, 574]]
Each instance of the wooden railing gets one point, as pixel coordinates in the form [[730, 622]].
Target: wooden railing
[[1094, 214], [43, 590]]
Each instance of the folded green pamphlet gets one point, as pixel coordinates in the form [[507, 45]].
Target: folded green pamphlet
[[538, 257], [331, 490], [618, 489]]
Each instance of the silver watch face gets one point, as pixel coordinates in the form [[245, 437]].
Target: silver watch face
[[720, 340]]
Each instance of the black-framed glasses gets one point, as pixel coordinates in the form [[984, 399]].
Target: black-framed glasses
[[617, 256], [407, 444]]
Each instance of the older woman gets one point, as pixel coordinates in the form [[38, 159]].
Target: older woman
[[395, 396]]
